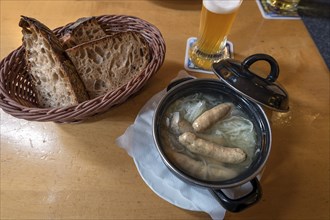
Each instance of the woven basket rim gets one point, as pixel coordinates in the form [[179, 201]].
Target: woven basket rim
[[100, 103]]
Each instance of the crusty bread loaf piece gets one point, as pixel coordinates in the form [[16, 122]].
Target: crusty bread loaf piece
[[55, 79], [110, 62], [81, 31]]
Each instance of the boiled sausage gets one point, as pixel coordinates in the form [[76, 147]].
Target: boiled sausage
[[200, 170], [211, 116], [212, 150]]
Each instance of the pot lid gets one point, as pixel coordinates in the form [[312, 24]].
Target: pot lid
[[261, 90]]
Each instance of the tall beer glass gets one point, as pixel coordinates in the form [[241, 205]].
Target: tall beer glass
[[217, 17]]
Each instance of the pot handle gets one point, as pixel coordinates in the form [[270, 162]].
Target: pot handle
[[274, 68], [237, 205], [177, 82]]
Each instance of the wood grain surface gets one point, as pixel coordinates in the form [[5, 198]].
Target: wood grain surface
[[76, 171]]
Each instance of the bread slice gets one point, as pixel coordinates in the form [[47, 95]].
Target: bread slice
[[110, 62], [54, 77], [81, 31]]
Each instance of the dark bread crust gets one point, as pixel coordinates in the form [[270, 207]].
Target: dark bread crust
[[81, 31], [74, 90], [26, 23], [79, 23]]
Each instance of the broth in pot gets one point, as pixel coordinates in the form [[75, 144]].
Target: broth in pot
[[208, 137]]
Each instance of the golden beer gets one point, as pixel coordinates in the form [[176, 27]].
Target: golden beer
[[217, 17], [282, 5]]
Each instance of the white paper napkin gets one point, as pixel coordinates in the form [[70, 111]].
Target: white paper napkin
[[139, 144]]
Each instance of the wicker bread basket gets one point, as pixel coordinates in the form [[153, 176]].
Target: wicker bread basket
[[17, 97]]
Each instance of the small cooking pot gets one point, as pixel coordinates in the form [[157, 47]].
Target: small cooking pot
[[246, 90]]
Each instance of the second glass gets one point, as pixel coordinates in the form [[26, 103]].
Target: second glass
[[217, 17], [282, 5]]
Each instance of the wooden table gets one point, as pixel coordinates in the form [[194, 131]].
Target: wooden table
[[76, 171]]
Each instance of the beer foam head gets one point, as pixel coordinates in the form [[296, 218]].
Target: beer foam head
[[222, 6]]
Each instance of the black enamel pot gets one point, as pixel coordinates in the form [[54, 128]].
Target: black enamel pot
[[227, 71]]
